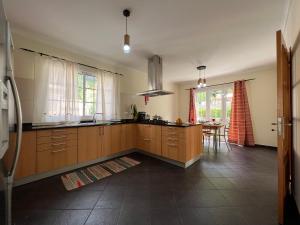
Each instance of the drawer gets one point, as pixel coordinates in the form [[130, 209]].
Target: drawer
[[56, 132], [56, 138], [172, 131], [55, 159], [55, 145]]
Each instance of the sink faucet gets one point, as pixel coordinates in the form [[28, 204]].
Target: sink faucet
[[94, 116]]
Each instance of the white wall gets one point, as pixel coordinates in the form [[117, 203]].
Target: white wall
[[133, 81], [291, 32], [262, 96]]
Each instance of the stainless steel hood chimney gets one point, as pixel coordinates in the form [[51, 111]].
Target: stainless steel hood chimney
[[155, 82]]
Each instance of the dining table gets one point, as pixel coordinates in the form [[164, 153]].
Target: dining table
[[216, 128]]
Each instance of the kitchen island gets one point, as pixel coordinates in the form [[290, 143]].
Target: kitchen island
[[47, 151]]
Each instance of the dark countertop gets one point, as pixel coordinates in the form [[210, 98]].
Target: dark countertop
[[30, 127]]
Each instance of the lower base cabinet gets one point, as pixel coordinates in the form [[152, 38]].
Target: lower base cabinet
[[56, 149], [26, 165], [52, 149], [56, 159]]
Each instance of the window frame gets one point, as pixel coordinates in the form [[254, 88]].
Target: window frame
[[84, 88], [209, 90]]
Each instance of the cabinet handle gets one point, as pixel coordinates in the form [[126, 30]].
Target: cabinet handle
[[58, 144], [172, 133], [59, 137], [60, 130], [172, 145], [147, 139], [172, 139], [61, 150]]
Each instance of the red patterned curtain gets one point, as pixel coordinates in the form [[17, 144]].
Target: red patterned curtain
[[240, 129], [192, 110]]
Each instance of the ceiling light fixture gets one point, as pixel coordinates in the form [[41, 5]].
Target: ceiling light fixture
[[202, 79], [126, 46]]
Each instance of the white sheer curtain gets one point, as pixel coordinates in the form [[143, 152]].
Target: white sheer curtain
[[56, 92], [108, 95]]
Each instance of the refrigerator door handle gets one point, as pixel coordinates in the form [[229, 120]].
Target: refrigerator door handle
[[16, 96]]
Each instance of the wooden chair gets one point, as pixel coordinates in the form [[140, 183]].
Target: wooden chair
[[224, 135], [206, 136]]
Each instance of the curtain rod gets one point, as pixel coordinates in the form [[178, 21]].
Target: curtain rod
[[29, 50], [219, 84]]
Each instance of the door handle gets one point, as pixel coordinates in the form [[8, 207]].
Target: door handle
[[273, 124], [16, 96]]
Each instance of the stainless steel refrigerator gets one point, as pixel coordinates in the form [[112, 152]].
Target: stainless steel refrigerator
[[10, 120]]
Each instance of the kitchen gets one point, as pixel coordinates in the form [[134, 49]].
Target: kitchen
[[121, 124]]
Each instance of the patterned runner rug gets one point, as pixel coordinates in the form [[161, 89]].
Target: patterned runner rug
[[93, 173]]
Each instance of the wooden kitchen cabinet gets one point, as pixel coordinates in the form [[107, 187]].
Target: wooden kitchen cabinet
[[89, 143], [149, 138], [26, 165], [181, 144], [106, 141], [155, 136], [116, 138], [128, 140], [56, 148]]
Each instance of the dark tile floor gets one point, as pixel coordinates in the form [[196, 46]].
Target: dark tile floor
[[225, 188]]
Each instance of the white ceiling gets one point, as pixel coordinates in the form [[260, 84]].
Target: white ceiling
[[226, 35]]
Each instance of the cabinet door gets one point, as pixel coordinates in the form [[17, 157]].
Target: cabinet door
[[54, 159], [116, 138], [156, 139], [26, 165], [128, 136], [106, 149], [88, 143], [144, 137]]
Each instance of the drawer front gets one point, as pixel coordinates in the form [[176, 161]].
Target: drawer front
[[173, 132], [56, 158], [56, 138], [56, 132], [56, 145]]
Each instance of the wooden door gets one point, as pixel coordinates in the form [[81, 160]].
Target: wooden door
[[128, 136], [284, 123], [155, 140], [88, 145], [116, 136], [106, 149], [26, 165]]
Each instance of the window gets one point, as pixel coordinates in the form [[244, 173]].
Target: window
[[214, 103], [86, 92]]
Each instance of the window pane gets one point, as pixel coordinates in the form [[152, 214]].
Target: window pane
[[80, 94], [90, 109], [201, 106], [216, 105], [80, 80], [90, 95], [90, 82], [228, 98]]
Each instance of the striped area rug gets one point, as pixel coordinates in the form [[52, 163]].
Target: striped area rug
[[82, 177]]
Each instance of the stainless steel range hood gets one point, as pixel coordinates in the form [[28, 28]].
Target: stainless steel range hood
[[155, 82]]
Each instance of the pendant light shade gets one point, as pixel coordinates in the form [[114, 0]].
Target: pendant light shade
[[201, 81], [126, 46]]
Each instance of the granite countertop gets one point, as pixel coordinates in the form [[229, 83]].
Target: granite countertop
[[30, 127]]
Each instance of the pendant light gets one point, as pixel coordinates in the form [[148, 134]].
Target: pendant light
[[202, 79], [126, 46]]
